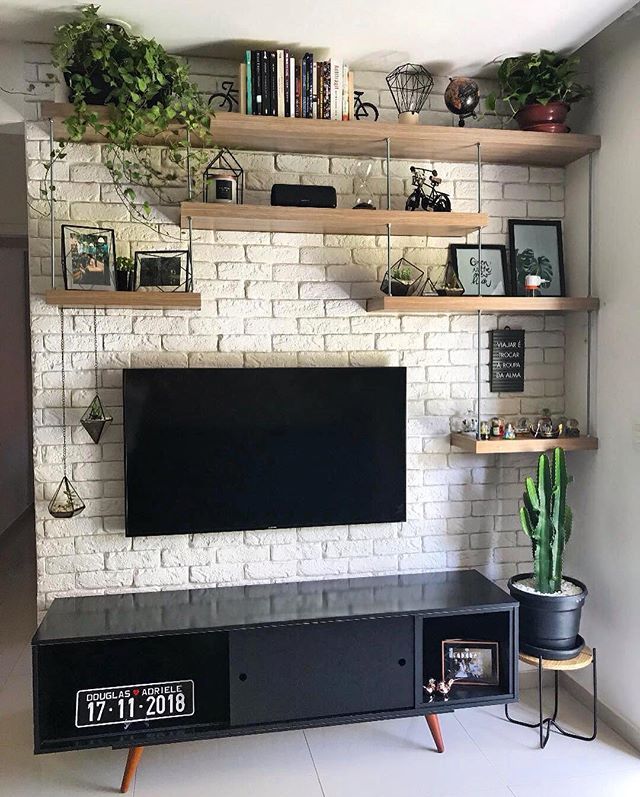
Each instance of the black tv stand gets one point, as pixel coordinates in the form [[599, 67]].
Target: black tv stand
[[131, 670]]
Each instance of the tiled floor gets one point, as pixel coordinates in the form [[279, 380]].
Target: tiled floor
[[485, 757]]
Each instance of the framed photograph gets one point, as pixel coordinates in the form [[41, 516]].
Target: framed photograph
[[88, 258], [471, 663], [167, 271], [491, 271], [535, 247]]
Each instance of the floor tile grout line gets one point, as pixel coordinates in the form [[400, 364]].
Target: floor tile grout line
[[313, 761]]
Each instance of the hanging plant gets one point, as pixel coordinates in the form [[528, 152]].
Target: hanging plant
[[146, 92]]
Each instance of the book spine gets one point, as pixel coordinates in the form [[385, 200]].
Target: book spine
[[351, 97], [310, 86], [326, 90], [336, 90], [303, 87], [298, 92], [287, 83], [345, 94], [320, 89], [273, 83], [243, 87], [256, 82], [249, 80], [314, 91], [280, 81]]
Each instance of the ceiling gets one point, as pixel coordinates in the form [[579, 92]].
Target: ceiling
[[448, 37]]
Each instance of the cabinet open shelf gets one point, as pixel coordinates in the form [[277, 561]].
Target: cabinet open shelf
[[359, 138], [340, 221], [523, 444], [401, 305], [147, 300]]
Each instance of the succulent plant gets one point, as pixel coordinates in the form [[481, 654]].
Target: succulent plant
[[547, 520]]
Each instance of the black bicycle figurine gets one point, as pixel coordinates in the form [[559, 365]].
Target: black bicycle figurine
[[362, 110], [228, 96], [435, 200]]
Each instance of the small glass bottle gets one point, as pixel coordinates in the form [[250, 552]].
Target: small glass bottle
[[485, 430], [497, 427]]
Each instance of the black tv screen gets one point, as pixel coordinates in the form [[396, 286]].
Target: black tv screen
[[228, 449]]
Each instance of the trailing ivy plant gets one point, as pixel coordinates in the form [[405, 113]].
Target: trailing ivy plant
[[147, 93], [538, 78]]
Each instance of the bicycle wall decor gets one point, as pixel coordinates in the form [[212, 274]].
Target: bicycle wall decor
[[434, 200]]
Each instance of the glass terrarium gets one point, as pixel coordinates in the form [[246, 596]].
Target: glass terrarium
[[95, 420], [66, 502], [446, 281], [363, 192], [406, 279]]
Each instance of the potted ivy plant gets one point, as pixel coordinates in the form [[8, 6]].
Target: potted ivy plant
[[539, 88], [125, 274], [550, 603], [146, 93]]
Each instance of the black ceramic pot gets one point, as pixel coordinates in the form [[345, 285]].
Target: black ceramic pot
[[549, 624], [124, 280]]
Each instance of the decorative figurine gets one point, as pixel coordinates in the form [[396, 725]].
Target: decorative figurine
[[410, 85], [461, 97], [544, 426], [435, 200], [470, 424], [430, 688], [572, 428], [485, 432], [362, 110], [364, 195], [510, 432], [523, 426], [497, 427], [444, 687], [533, 283]]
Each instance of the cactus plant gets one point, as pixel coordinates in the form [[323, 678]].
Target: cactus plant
[[547, 520]]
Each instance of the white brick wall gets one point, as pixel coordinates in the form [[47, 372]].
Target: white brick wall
[[284, 300]]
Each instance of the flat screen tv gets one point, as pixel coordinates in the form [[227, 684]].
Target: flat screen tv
[[225, 449]]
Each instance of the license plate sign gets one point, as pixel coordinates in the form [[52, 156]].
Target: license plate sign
[[117, 705]]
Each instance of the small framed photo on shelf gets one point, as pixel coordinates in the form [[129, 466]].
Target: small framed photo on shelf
[[491, 271], [471, 663], [88, 258], [535, 249], [167, 271]]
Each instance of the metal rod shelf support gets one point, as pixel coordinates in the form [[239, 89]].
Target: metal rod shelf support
[[479, 313], [51, 210]]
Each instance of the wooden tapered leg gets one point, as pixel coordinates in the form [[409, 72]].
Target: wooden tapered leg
[[433, 721], [133, 759]]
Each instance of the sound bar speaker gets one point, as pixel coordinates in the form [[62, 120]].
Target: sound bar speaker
[[303, 196]]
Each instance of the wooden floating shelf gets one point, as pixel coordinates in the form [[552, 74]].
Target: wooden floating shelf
[[522, 444], [145, 300], [359, 138], [400, 305], [340, 221]]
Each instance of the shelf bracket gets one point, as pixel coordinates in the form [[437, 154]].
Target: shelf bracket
[[589, 288], [389, 259], [388, 158], [479, 313]]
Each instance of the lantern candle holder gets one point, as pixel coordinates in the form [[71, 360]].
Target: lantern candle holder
[[223, 179]]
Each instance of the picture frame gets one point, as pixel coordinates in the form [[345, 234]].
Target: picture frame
[[168, 271], [471, 662], [88, 258], [493, 271], [535, 247]]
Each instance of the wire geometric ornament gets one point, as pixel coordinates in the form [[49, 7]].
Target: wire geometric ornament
[[95, 420], [410, 85], [224, 165], [66, 502]]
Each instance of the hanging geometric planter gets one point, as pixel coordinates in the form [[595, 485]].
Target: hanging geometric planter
[[95, 420], [66, 502]]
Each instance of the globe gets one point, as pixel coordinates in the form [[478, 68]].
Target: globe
[[462, 97]]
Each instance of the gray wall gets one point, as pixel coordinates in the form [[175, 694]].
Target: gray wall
[[13, 185], [605, 549]]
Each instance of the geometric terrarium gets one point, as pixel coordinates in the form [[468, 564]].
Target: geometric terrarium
[[447, 283], [95, 420], [406, 279], [66, 502]]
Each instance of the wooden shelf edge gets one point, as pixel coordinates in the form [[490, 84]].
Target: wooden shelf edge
[[516, 305], [340, 221], [319, 136], [144, 300], [522, 445]]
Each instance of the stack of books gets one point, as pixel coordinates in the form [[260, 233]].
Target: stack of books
[[274, 83]]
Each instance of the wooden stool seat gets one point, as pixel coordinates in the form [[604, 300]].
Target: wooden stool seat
[[583, 659]]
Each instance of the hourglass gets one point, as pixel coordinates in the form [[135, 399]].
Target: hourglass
[[364, 195]]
